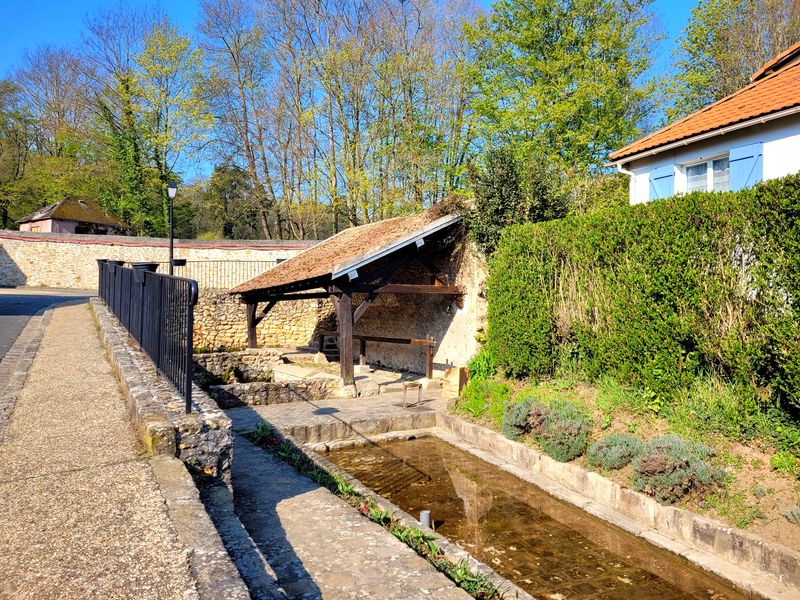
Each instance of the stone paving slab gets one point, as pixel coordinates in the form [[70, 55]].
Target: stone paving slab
[[318, 545], [81, 514], [360, 414]]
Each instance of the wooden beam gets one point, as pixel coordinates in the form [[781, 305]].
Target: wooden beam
[[345, 313], [266, 310], [284, 297], [385, 340], [252, 340], [362, 308], [406, 288]]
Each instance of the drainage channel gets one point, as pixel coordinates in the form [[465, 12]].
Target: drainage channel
[[547, 547]]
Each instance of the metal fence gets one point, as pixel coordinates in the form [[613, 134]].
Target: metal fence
[[223, 274], [158, 311]]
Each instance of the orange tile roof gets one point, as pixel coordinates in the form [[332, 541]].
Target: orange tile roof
[[777, 62], [770, 93]]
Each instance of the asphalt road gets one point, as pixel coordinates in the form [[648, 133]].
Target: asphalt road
[[18, 305]]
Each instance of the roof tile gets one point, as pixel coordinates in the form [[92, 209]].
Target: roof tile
[[771, 93], [320, 260]]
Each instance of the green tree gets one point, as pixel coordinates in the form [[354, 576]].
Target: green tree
[[725, 42], [512, 187], [174, 114], [14, 145], [566, 76]]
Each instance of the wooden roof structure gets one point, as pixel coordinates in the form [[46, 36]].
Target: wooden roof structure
[[359, 260]]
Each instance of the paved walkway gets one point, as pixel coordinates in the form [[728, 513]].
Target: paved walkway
[[320, 547], [358, 414], [81, 515], [18, 305], [316, 544]]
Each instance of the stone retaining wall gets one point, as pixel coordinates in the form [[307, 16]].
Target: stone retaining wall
[[220, 322], [254, 365], [202, 438], [65, 260], [273, 392], [764, 569]]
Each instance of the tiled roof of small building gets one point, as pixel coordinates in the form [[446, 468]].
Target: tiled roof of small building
[[322, 260], [775, 87], [78, 210]]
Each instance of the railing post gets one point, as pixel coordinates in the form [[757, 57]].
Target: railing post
[[101, 270], [190, 345]]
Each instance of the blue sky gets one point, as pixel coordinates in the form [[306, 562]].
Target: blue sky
[[30, 23]]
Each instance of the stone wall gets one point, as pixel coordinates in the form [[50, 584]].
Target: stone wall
[[69, 260], [220, 322], [274, 392], [202, 438], [418, 316], [254, 365]]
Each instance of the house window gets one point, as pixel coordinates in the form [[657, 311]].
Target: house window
[[709, 176]]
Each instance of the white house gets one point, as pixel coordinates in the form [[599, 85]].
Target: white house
[[750, 136]]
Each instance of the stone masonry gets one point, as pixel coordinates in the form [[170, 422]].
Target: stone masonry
[[202, 438], [220, 322], [69, 260]]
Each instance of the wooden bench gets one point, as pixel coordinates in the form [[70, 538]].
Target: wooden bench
[[429, 345]]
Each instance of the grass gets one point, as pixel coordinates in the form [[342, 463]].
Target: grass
[[735, 507], [424, 544]]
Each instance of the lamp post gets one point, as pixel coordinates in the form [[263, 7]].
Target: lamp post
[[172, 191]]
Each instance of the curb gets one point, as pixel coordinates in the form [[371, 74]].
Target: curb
[[212, 568], [18, 361]]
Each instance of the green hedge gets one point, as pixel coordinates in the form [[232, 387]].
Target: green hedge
[[657, 294]]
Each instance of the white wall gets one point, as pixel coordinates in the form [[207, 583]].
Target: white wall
[[781, 139]]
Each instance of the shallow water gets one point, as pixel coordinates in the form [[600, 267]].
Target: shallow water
[[547, 547]]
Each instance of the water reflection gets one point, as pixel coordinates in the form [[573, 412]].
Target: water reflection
[[549, 548]]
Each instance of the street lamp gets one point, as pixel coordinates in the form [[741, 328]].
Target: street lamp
[[172, 191]]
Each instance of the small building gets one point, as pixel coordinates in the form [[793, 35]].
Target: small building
[[74, 215], [405, 291], [750, 136]]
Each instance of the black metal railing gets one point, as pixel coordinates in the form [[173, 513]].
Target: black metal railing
[[158, 312]]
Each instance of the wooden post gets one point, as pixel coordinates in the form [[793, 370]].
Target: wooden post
[[429, 362], [252, 341], [345, 314], [362, 352]]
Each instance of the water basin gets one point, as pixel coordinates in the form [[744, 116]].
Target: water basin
[[547, 547]]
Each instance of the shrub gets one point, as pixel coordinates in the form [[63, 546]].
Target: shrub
[[657, 295], [564, 432], [481, 366], [614, 452], [523, 417], [482, 395], [670, 467]]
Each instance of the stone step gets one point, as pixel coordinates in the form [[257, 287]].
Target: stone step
[[257, 573]]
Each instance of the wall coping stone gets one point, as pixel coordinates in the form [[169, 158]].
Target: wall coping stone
[[124, 240], [202, 437]]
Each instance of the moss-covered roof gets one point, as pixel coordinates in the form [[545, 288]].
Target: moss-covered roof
[[78, 210]]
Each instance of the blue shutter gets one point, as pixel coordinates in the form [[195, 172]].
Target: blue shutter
[[747, 166], [662, 182]]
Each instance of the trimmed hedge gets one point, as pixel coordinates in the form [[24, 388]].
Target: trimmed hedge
[[656, 295]]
